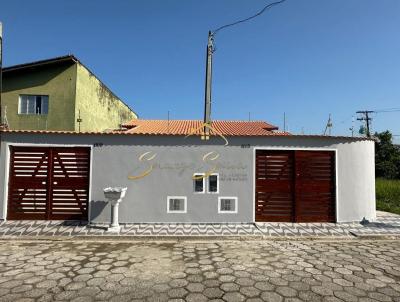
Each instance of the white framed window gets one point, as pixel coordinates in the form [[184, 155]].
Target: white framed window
[[176, 204], [228, 205], [213, 183], [199, 183], [33, 104]]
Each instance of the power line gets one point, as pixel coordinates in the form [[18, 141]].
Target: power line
[[347, 119], [268, 6], [209, 53], [387, 110]]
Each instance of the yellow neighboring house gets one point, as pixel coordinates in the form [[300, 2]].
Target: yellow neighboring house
[[60, 94]]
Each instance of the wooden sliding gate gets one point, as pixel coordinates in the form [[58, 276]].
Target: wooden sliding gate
[[49, 183], [295, 186]]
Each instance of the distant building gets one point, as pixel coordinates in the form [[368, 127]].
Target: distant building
[[59, 94]]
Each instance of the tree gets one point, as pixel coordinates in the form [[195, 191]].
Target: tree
[[387, 157]]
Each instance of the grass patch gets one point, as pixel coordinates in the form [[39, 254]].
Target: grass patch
[[388, 195]]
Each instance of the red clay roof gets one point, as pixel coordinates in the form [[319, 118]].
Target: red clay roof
[[186, 127], [127, 133]]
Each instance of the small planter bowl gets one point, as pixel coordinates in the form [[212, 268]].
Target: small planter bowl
[[114, 193]]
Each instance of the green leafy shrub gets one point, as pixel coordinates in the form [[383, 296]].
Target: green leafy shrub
[[388, 195]]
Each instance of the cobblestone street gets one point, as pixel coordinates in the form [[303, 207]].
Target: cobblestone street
[[341, 270]]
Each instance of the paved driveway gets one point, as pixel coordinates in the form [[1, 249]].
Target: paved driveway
[[347, 270], [386, 224]]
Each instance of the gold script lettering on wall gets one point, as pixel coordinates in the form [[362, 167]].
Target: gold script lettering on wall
[[146, 156], [210, 156]]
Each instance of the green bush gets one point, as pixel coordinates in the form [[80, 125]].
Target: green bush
[[388, 195], [387, 157]]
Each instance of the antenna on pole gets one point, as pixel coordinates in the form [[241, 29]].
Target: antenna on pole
[[168, 122], [352, 126], [284, 122], [328, 126]]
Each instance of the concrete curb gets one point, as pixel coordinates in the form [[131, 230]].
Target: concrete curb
[[375, 236], [176, 238]]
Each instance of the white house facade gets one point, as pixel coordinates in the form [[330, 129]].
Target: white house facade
[[182, 178]]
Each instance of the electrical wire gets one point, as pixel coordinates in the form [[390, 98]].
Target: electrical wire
[[387, 110], [347, 119], [268, 6]]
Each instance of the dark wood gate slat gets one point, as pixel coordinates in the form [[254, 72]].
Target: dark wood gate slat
[[315, 186], [72, 181], [55, 185], [295, 186], [274, 185], [27, 180]]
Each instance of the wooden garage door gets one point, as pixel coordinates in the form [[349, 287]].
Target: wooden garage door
[[274, 186], [295, 186], [48, 183], [315, 186]]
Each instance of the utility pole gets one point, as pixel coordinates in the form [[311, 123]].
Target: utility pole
[[207, 103], [365, 117], [209, 53]]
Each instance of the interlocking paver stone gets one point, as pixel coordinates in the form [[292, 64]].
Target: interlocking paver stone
[[271, 297], [233, 297], [196, 298], [290, 271], [213, 292], [249, 291]]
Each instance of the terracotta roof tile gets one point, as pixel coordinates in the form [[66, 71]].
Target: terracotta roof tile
[[127, 133], [186, 127]]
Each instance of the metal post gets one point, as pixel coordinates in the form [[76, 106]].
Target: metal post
[[79, 120], [207, 105], [284, 121]]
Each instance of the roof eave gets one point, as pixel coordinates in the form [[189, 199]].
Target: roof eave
[[40, 63]]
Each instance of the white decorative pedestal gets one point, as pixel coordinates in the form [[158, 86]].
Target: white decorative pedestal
[[114, 196]]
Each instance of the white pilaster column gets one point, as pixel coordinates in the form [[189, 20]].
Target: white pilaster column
[[114, 197], [114, 215]]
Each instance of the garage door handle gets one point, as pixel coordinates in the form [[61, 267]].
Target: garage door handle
[[43, 182], [54, 182]]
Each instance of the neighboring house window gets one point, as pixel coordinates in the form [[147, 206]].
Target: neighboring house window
[[199, 183], [213, 183], [227, 204], [176, 204], [33, 104]]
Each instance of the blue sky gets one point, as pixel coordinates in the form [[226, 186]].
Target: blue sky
[[307, 58]]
